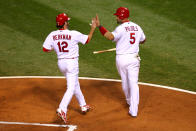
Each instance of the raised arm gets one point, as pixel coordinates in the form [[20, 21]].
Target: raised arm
[[107, 34], [93, 26]]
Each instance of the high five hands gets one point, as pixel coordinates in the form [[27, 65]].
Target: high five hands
[[95, 22]]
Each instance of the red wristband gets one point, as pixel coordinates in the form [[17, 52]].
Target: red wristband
[[102, 30]]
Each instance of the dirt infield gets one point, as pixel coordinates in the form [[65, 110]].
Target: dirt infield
[[35, 100]]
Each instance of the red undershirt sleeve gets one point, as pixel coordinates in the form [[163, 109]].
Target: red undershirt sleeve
[[46, 50], [87, 41]]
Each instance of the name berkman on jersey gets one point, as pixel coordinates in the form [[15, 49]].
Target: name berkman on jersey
[[61, 37], [131, 28]]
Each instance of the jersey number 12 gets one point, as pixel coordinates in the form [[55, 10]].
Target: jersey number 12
[[62, 46]]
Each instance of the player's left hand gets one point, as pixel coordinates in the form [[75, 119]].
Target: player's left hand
[[97, 21], [93, 25]]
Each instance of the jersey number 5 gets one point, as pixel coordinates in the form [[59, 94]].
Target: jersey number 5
[[62, 46], [132, 37]]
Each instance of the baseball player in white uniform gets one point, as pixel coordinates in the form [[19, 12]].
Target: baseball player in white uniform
[[127, 36], [65, 43]]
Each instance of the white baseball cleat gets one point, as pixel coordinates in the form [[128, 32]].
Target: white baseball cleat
[[133, 115], [85, 108], [61, 114]]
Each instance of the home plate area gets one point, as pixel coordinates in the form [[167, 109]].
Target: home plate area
[[30, 103]]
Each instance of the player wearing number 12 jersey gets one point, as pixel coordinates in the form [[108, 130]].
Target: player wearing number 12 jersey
[[127, 36], [65, 43]]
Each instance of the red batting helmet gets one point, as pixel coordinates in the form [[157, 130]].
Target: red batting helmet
[[61, 19], [122, 13]]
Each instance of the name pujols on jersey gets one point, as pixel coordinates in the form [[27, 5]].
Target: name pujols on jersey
[[61, 37], [131, 28]]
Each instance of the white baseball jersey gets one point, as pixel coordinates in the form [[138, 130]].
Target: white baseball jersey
[[127, 37], [65, 43]]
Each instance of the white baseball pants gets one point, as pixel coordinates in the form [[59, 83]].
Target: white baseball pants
[[70, 69], [128, 67]]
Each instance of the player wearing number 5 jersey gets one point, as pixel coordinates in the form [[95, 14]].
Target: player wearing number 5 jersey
[[127, 36], [65, 43]]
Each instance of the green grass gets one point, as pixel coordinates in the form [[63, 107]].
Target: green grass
[[168, 56], [175, 10]]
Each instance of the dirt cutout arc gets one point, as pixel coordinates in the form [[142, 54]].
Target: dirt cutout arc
[[34, 99]]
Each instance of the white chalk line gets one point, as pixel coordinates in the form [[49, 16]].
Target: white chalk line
[[70, 127], [102, 79], [73, 127]]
